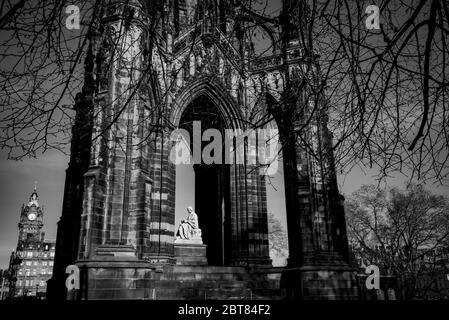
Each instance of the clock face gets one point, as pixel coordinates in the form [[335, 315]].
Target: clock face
[[32, 216]]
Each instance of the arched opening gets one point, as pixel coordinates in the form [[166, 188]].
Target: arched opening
[[206, 184]]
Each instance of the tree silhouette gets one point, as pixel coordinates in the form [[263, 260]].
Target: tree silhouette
[[277, 237], [384, 91], [404, 232]]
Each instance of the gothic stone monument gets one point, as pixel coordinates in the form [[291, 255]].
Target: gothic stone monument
[[155, 66]]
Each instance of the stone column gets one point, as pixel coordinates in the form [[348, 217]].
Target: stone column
[[159, 248]]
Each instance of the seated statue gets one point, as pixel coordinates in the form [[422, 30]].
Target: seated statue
[[189, 228]]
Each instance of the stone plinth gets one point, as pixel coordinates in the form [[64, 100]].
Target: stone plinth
[[114, 272], [320, 283], [115, 252], [189, 252]]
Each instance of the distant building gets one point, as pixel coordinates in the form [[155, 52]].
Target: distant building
[[4, 286], [31, 264]]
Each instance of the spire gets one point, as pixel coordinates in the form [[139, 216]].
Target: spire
[[34, 198]]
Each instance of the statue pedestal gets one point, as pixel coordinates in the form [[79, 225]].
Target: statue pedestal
[[190, 252], [114, 272]]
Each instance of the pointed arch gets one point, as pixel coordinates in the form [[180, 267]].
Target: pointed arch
[[216, 93]]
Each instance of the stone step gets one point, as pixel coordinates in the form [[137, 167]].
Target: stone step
[[219, 283], [267, 294], [202, 293], [213, 282], [206, 269], [205, 284], [268, 284], [213, 273], [205, 276], [217, 289]]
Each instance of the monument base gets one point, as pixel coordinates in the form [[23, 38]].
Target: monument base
[[320, 283], [188, 252], [114, 272]]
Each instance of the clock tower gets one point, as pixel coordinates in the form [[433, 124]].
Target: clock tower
[[31, 265], [31, 223]]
